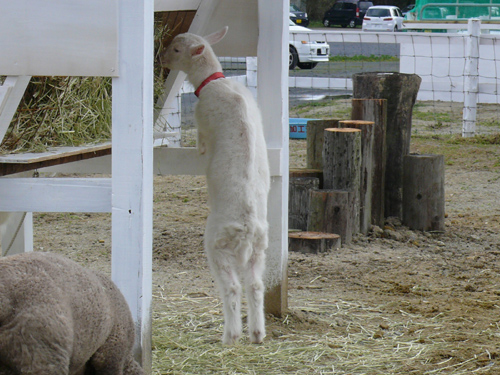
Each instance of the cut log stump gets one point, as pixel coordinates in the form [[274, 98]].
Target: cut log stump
[[366, 170], [333, 211], [375, 110], [298, 200], [307, 172], [342, 165], [315, 140], [401, 91], [313, 242], [423, 192]]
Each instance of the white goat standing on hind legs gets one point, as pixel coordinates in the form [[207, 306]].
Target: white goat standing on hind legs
[[230, 133]]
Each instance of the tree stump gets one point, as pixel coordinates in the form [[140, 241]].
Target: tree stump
[[306, 172], [298, 200], [401, 91], [423, 192], [315, 139], [375, 110], [313, 242], [366, 170], [333, 211], [342, 164]]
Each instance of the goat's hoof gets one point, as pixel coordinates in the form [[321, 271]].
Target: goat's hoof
[[230, 339], [257, 336]]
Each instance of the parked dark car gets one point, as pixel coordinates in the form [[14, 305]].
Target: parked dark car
[[346, 13], [407, 9], [298, 17]]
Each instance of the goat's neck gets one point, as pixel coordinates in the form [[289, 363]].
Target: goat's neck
[[204, 68]]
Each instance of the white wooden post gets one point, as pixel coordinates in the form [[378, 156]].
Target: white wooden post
[[132, 168], [12, 91], [272, 92], [251, 74], [471, 81]]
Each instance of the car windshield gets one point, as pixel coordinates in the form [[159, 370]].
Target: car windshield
[[378, 12], [293, 8]]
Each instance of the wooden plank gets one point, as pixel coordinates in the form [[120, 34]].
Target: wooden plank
[[55, 194], [59, 37], [132, 169], [15, 163]]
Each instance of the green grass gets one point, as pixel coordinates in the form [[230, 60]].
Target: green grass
[[475, 153]]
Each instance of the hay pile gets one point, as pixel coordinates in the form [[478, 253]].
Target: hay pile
[[70, 111], [320, 337]]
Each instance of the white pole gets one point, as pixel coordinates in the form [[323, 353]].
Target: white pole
[[272, 93], [132, 168], [471, 81]]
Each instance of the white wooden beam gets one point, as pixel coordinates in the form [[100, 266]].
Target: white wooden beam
[[18, 235], [14, 90], [167, 161], [55, 194], [176, 5], [59, 37], [272, 93], [132, 168]]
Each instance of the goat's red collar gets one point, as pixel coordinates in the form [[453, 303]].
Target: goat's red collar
[[211, 78]]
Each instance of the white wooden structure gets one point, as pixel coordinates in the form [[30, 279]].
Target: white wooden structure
[[115, 38]]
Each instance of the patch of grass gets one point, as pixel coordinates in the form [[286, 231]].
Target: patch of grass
[[337, 107], [441, 117], [475, 153]]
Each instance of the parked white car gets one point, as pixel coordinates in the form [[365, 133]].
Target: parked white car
[[304, 53], [383, 18]]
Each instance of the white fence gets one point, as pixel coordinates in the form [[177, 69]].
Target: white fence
[[459, 65]]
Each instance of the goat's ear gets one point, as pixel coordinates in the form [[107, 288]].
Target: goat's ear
[[217, 36], [197, 50]]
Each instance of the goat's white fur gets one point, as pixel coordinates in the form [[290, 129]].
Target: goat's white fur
[[230, 133]]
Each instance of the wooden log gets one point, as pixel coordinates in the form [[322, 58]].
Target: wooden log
[[342, 163], [333, 211], [401, 91], [313, 242], [315, 139], [375, 110], [423, 192], [298, 200], [306, 172], [366, 170]]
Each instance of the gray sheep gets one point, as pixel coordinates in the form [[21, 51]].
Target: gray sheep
[[57, 317]]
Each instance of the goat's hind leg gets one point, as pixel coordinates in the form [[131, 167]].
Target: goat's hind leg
[[255, 296], [230, 290], [223, 266]]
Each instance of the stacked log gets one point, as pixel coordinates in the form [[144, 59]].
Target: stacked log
[[315, 140], [313, 242], [333, 211], [298, 200], [375, 110], [401, 91], [342, 163], [423, 192], [366, 168]]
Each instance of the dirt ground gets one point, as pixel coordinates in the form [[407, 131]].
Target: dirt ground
[[393, 302]]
